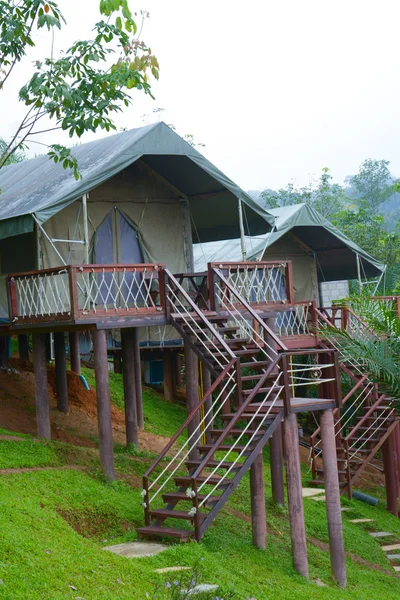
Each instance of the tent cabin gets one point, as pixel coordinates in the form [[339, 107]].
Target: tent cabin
[[140, 195], [318, 250]]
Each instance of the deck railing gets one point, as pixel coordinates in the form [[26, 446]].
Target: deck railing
[[259, 283], [80, 291]]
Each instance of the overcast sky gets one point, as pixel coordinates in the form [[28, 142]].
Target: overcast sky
[[276, 89]]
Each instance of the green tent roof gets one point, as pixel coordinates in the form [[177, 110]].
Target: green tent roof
[[41, 187], [333, 250]]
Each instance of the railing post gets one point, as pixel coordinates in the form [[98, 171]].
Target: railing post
[[73, 292], [348, 469], [211, 287], [289, 282], [314, 320], [162, 283], [12, 299], [345, 317], [286, 383], [336, 374]]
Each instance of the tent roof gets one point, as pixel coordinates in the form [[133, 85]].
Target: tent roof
[[334, 251], [41, 187]]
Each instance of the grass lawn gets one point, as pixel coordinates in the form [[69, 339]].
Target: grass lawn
[[54, 524]]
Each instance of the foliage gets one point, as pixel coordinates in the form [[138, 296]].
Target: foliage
[[377, 345], [16, 157], [86, 86], [373, 183]]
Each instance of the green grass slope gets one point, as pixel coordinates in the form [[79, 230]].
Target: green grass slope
[[54, 524]]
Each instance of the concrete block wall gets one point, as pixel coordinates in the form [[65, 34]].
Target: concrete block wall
[[333, 290]]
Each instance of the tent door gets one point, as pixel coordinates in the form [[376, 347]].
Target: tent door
[[117, 243]]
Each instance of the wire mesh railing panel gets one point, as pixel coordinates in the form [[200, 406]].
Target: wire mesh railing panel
[[258, 283], [294, 322], [41, 295], [118, 289]]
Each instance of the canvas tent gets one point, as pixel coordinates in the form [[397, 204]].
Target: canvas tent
[[318, 250], [141, 194]]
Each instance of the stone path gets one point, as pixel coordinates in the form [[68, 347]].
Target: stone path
[[386, 548], [137, 549]]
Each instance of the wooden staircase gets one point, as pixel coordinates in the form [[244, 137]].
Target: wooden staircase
[[193, 477], [363, 424]]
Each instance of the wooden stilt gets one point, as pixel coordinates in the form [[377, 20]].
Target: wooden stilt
[[128, 369], [391, 482], [295, 497], [168, 375], [117, 362], [257, 494], [23, 347], [61, 372], [103, 403], [75, 352], [178, 368], [332, 493], [4, 342], [138, 378], [192, 394], [397, 430], [276, 464], [41, 390], [208, 416]]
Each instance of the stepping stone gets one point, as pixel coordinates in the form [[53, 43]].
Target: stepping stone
[[397, 569], [172, 569], [380, 534], [318, 498], [310, 492], [391, 547], [344, 508], [362, 520], [137, 549], [393, 556], [200, 589]]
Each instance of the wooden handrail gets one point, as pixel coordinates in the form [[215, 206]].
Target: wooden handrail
[[242, 265], [198, 312], [250, 310]]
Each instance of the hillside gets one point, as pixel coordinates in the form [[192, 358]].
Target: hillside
[[57, 513]]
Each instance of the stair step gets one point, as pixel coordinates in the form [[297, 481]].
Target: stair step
[[155, 530], [227, 329], [213, 463], [186, 480], [204, 448], [217, 432], [249, 415], [167, 513], [181, 496], [228, 341], [257, 365], [340, 471], [362, 439], [262, 390], [251, 377]]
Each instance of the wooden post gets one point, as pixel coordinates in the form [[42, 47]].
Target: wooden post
[[23, 347], [61, 372], [138, 378], [295, 497], [192, 395], [168, 375], [178, 368], [41, 390], [276, 465], [75, 352], [128, 369], [208, 416], [391, 479], [103, 403], [117, 362], [332, 492], [257, 494], [4, 341], [397, 431]]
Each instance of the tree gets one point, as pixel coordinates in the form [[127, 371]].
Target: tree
[[373, 184], [86, 86]]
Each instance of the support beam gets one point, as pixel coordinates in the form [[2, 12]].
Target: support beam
[[192, 394], [276, 464], [23, 347], [332, 493], [168, 366], [103, 403], [138, 377], [258, 512], [391, 478], [75, 352], [41, 390], [128, 369], [61, 372], [295, 496]]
